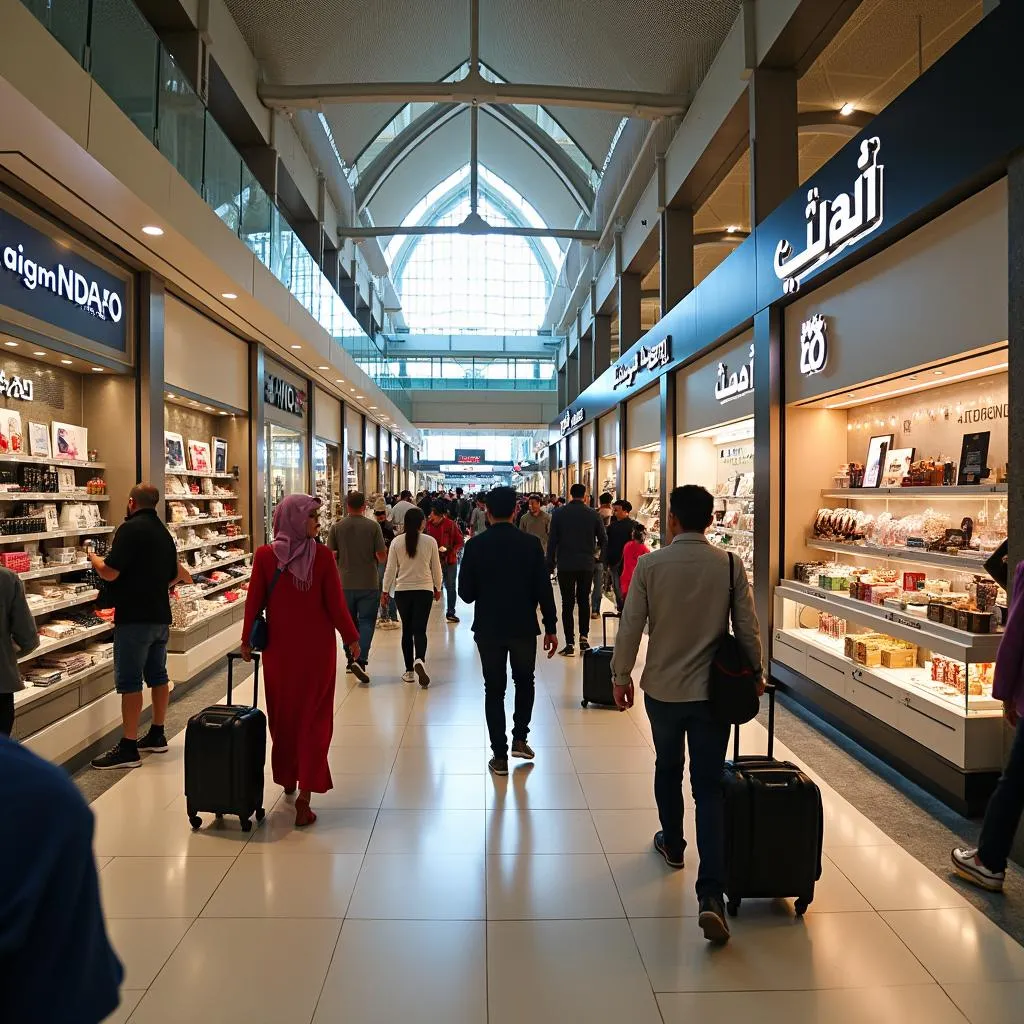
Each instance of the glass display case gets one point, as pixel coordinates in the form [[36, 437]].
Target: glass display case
[[327, 483], [286, 467]]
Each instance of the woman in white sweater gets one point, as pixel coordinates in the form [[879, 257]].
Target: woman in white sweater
[[413, 575]]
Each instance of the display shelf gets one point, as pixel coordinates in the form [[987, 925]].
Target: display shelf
[[958, 493], [32, 693], [85, 531], [954, 643], [40, 460], [730, 531], [201, 497], [650, 494], [220, 563], [84, 598], [54, 570], [48, 646], [205, 620], [198, 473], [203, 522], [226, 585], [974, 563], [212, 543], [51, 496]]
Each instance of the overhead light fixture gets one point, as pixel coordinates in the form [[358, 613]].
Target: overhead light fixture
[[39, 353], [938, 373], [152, 230], [732, 229], [296, 346], [846, 109], [223, 413], [97, 369], [228, 295], [374, 407], [913, 376], [352, 390], [11, 344], [209, 408], [323, 367], [67, 362], [360, 398]]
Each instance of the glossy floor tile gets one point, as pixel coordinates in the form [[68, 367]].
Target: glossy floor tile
[[431, 890]]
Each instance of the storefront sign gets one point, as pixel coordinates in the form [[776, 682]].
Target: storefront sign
[[15, 387], [729, 386], [834, 224], [469, 456], [813, 345], [571, 418], [644, 358], [54, 284], [279, 393]]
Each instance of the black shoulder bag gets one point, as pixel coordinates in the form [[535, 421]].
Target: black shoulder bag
[[733, 690], [259, 635]]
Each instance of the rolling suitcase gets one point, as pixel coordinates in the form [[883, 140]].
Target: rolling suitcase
[[597, 670], [774, 826], [225, 750]]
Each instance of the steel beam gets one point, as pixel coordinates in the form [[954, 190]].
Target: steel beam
[[473, 90], [457, 229]]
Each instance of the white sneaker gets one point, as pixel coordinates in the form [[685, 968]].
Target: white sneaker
[[968, 865], [421, 671], [408, 677]]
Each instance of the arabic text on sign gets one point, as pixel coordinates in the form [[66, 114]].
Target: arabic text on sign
[[813, 345], [733, 385], [15, 387], [645, 358], [571, 418]]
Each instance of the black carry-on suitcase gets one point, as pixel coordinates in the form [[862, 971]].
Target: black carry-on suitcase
[[774, 826], [597, 670], [225, 750]]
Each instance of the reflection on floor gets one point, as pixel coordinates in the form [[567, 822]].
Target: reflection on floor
[[429, 890]]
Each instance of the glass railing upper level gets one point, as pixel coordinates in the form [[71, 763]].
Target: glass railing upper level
[[473, 373], [118, 47]]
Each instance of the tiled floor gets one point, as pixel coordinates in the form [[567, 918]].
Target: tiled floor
[[429, 890]]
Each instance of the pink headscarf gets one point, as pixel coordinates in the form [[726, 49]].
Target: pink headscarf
[[294, 550]]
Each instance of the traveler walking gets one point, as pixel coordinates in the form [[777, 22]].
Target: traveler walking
[[504, 575], [576, 540], [389, 615], [462, 510], [604, 510], [358, 546], [620, 532], [985, 865], [449, 539], [414, 576], [56, 961], [296, 581], [18, 636], [143, 565], [681, 593], [634, 550], [478, 519], [400, 507], [536, 522]]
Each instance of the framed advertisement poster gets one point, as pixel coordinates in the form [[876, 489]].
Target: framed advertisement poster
[[199, 456], [897, 465], [974, 458], [874, 463], [39, 439], [174, 452], [220, 454], [70, 441]]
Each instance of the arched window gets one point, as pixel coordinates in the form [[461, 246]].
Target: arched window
[[494, 284]]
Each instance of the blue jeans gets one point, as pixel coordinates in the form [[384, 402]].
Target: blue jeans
[[595, 593], [450, 573], [362, 606], [140, 653], [1002, 816], [392, 609], [691, 722]]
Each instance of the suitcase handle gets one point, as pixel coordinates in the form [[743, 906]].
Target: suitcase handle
[[769, 688], [604, 625], [234, 656]]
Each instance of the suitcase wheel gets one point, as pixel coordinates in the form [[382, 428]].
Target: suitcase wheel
[[733, 907], [260, 814], [584, 703], [246, 824], [195, 821], [801, 906]]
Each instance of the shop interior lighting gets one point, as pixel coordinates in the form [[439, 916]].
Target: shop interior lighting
[[228, 295], [97, 369], [938, 373], [339, 380], [323, 367], [983, 372], [296, 346], [11, 344], [732, 229], [67, 362], [152, 230], [42, 354], [846, 109]]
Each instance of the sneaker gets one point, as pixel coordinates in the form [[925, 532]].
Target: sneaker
[[584, 645], [154, 742], [498, 766], [421, 672], [673, 860], [520, 748], [452, 618], [124, 755], [408, 677], [359, 671], [568, 651], [712, 920], [967, 865], [595, 615], [348, 667]]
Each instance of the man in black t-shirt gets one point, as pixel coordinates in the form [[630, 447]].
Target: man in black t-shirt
[[142, 565]]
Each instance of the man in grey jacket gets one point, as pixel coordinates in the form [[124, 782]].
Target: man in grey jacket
[[17, 630], [536, 522], [681, 592]]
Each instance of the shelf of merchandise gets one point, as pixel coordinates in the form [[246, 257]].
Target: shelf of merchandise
[[198, 473], [41, 460], [82, 531], [731, 531], [53, 570], [51, 496], [203, 522], [84, 598], [929, 559], [48, 646], [32, 692], [942, 639], [958, 493], [220, 563], [227, 584], [201, 497], [214, 542]]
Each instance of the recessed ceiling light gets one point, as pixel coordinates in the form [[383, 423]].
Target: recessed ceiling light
[[223, 413], [97, 369], [360, 398], [938, 373], [209, 408], [228, 295], [323, 367], [153, 230], [352, 389], [339, 380], [39, 353], [11, 344], [913, 376], [846, 109], [67, 362], [373, 407], [296, 346], [732, 229]]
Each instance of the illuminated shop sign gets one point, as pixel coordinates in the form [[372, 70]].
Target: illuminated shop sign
[[813, 345], [284, 396], [52, 283], [834, 224], [646, 359], [15, 387], [469, 456], [571, 418], [730, 386]]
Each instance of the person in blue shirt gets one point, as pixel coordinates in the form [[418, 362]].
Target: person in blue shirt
[[56, 963]]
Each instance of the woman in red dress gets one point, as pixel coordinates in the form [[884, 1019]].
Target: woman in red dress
[[306, 606]]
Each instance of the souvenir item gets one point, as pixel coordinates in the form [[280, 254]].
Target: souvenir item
[[878, 448], [974, 458], [220, 454], [174, 452], [199, 456], [10, 431], [39, 439], [70, 442], [897, 465]]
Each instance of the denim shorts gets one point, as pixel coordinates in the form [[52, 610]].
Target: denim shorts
[[140, 654]]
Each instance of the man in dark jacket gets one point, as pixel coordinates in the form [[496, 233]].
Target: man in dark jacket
[[503, 572], [576, 540], [620, 533]]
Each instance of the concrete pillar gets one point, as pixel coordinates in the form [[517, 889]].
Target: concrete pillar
[[586, 361], [602, 351], [151, 451], [774, 164], [572, 366], [676, 238], [563, 388], [630, 329]]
